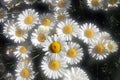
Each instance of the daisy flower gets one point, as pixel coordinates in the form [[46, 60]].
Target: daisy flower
[[27, 19], [61, 15], [88, 33], [75, 73], [62, 4], [113, 3], [39, 36], [74, 53], [22, 51], [3, 15], [10, 50], [53, 68], [24, 72], [8, 4], [95, 4], [97, 50], [104, 36], [29, 1], [47, 1], [17, 34], [67, 29], [47, 20], [111, 46], [6, 28], [54, 46]]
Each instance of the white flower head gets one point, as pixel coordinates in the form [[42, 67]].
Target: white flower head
[[113, 3], [97, 50], [54, 46], [17, 34], [74, 53], [28, 19], [111, 46], [88, 33], [75, 73], [24, 72], [39, 36], [3, 15], [53, 68], [95, 4], [67, 29]]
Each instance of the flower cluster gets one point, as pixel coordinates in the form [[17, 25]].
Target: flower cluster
[[55, 34], [102, 4]]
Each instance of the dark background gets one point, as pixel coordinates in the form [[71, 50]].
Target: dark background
[[108, 69]]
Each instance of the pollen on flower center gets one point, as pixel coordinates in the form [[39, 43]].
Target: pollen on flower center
[[95, 2], [25, 73], [54, 65], [89, 33], [46, 21], [29, 19], [19, 33], [72, 53], [61, 3], [110, 46], [55, 47], [23, 49], [60, 16], [99, 48], [41, 37], [68, 29], [112, 1]]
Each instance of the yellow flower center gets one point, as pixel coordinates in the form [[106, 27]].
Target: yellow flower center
[[89, 33], [61, 16], [46, 21], [55, 47], [54, 65], [1, 15], [41, 37], [23, 49], [110, 46], [25, 73], [112, 2], [99, 48], [29, 19], [61, 3], [19, 32], [95, 2], [72, 53], [68, 29]]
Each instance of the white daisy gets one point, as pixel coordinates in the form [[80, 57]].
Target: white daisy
[[61, 4], [10, 50], [113, 3], [22, 51], [3, 15], [39, 36], [24, 72], [53, 68], [88, 33], [97, 50], [54, 46], [47, 20], [75, 73], [17, 34], [104, 36], [111, 46], [27, 19], [29, 1], [8, 4], [74, 53], [7, 26], [61, 15], [67, 29], [47, 1], [95, 4]]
